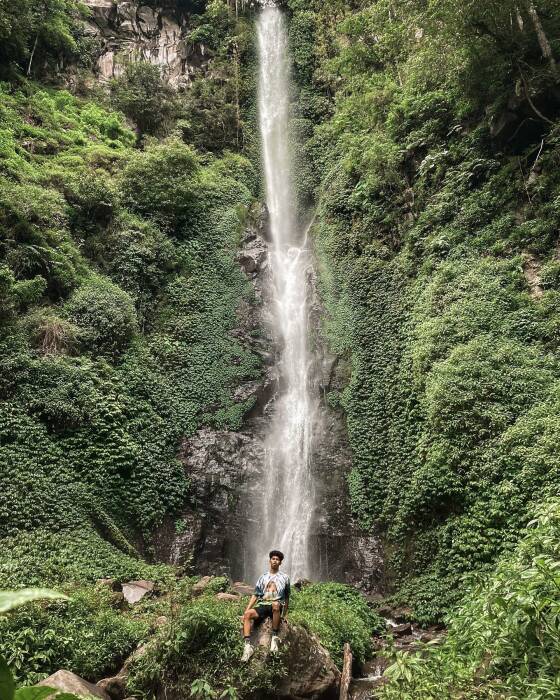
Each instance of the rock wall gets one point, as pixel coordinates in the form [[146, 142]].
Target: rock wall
[[131, 31], [225, 468]]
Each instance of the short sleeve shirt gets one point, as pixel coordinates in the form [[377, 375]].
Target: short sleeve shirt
[[273, 587]]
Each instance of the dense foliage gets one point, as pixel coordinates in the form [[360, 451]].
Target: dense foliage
[[202, 642], [503, 641], [432, 133], [337, 614], [118, 292], [428, 141], [435, 170]]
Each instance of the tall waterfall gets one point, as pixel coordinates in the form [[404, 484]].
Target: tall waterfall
[[288, 499]]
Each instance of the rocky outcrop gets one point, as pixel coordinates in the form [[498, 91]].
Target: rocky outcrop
[[224, 467], [68, 682], [220, 466], [342, 551], [134, 31]]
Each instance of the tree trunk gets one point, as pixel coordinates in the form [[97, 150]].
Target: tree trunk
[[546, 49], [346, 673], [237, 82], [32, 54]]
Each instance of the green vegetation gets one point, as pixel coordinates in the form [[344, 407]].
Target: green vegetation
[[203, 642], [503, 640], [430, 208], [337, 614], [431, 130], [85, 634], [118, 291], [429, 143], [143, 94], [114, 347]]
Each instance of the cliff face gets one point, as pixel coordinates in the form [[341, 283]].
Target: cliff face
[[131, 31]]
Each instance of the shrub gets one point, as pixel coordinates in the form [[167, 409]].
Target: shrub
[[203, 643], [105, 315], [503, 639], [84, 634], [161, 183], [337, 614], [144, 95]]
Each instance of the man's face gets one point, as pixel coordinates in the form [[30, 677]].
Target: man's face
[[275, 563]]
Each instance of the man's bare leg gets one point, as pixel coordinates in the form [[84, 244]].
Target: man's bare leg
[[276, 616], [248, 618]]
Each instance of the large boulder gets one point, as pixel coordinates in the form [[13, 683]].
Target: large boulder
[[310, 670], [69, 682]]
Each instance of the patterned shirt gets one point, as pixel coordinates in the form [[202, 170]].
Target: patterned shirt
[[272, 587]]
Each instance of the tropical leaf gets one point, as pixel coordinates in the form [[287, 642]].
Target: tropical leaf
[[35, 692], [12, 599], [7, 685]]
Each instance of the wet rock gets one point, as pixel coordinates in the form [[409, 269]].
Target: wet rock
[[253, 254], [364, 688], [385, 611], [220, 466], [431, 635], [376, 667], [400, 630], [134, 591], [402, 614], [69, 682]]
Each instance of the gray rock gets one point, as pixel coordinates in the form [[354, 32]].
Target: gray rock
[[134, 591], [133, 31], [200, 586], [242, 588], [403, 630], [310, 670], [115, 687], [228, 597], [69, 682]]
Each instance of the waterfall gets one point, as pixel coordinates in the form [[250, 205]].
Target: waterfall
[[288, 492]]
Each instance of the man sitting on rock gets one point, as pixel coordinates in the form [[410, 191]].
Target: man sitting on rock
[[271, 599]]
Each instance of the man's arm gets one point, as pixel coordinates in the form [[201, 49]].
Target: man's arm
[[251, 603], [287, 592]]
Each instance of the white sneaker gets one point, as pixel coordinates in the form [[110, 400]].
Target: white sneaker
[[274, 644], [248, 651]]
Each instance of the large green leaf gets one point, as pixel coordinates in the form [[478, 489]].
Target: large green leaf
[[36, 692], [11, 599], [7, 685]]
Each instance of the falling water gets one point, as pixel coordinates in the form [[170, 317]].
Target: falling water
[[288, 503]]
